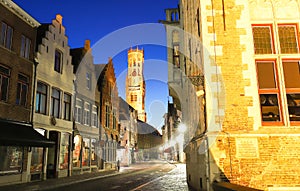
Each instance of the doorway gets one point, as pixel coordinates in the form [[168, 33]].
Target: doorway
[[52, 155]]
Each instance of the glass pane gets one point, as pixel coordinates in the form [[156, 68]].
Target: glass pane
[[22, 53], [4, 88], [9, 34], [42, 88], [27, 50], [269, 107], [266, 75], [18, 100], [262, 40], [56, 108], [288, 39], [11, 159], [36, 160], [291, 71], [55, 93], [76, 151], [3, 34], [64, 151], [294, 106], [4, 70], [86, 152], [93, 152], [24, 94], [43, 104], [57, 61]]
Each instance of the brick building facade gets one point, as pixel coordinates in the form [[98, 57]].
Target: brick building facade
[[248, 52]]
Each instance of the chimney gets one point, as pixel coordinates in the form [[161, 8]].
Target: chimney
[[59, 18], [87, 44]]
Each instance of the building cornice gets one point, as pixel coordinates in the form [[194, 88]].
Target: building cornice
[[14, 8]]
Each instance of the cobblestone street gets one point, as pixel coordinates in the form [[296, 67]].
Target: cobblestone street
[[175, 180]]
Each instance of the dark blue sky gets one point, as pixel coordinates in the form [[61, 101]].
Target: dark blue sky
[[105, 21]]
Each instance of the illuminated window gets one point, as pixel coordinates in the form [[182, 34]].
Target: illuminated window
[[288, 39], [11, 162], [291, 71], [93, 152], [64, 151], [262, 37], [86, 152], [268, 91]]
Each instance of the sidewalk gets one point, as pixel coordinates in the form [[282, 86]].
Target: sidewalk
[[58, 182]]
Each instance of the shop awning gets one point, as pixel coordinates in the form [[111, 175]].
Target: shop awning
[[21, 134]]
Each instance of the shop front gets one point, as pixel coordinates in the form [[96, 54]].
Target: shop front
[[17, 141]]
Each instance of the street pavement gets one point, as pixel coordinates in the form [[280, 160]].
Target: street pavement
[[174, 180]]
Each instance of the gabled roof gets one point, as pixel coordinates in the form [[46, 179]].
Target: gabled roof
[[77, 55], [41, 33], [124, 109], [145, 128]]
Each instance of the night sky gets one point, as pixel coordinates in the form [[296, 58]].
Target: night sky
[[113, 26]]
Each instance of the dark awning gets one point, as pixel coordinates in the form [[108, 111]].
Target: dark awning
[[21, 134]]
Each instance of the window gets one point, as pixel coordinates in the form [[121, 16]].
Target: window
[[41, 98], [114, 119], [25, 47], [268, 91], [78, 110], [55, 103], [95, 116], [22, 89], [37, 156], [86, 152], [107, 116], [288, 39], [77, 150], [93, 152], [88, 81], [87, 113], [67, 106], [4, 82], [133, 97], [262, 36], [291, 70], [11, 159], [58, 61], [176, 61], [64, 151], [6, 36]]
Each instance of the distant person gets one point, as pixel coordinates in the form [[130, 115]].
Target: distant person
[[118, 165]]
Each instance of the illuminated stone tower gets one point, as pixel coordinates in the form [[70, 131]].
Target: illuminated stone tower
[[135, 84]]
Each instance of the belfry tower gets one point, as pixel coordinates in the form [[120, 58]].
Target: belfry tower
[[135, 84]]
